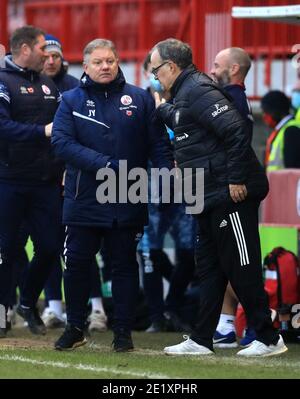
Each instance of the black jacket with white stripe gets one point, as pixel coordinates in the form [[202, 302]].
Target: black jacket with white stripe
[[211, 134]]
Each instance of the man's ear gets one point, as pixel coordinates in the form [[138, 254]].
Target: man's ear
[[173, 66], [25, 49], [235, 68]]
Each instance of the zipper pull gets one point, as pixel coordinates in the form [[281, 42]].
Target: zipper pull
[[106, 94]]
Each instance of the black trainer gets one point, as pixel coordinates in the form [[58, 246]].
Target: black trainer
[[158, 326], [71, 338], [8, 325], [32, 316], [175, 323], [122, 341]]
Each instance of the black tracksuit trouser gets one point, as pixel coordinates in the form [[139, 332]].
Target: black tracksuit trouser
[[228, 249]]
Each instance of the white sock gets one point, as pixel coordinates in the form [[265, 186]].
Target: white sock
[[56, 307], [97, 305], [226, 324]]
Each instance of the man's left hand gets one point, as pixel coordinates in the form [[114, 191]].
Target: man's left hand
[[238, 192], [48, 129]]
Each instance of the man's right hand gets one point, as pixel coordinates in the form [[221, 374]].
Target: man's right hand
[[158, 100], [238, 192], [48, 129]]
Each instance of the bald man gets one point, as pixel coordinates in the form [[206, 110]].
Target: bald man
[[231, 66], [229, 70]]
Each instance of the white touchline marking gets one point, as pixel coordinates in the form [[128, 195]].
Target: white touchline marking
[[80, 366]]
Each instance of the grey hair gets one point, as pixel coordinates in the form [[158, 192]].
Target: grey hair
[[98, 43], [241, 57], [175, 50]]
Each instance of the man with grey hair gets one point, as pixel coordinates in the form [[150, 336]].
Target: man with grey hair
[[211, 134], [100, 123]]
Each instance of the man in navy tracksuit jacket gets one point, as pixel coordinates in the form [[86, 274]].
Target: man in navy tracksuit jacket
[[103, 121], [29, 173]]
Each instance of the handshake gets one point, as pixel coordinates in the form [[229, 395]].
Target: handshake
[[48, 129]]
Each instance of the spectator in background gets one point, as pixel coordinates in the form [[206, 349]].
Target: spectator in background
[[172, 219], [283, 144], [101, 122], [154, 261], [30, 176], [56, 67], [295, 100]]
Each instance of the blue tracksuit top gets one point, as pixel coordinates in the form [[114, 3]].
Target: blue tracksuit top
[[95, 124]]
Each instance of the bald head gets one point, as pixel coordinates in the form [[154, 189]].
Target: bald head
[[231, 66], [239, 56]]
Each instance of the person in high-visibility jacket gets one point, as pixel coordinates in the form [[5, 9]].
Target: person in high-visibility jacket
[[283, 144], [295, 100]]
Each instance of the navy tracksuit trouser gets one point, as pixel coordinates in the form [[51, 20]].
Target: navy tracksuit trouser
[[39, 206], [82, 244], [53, 285]]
